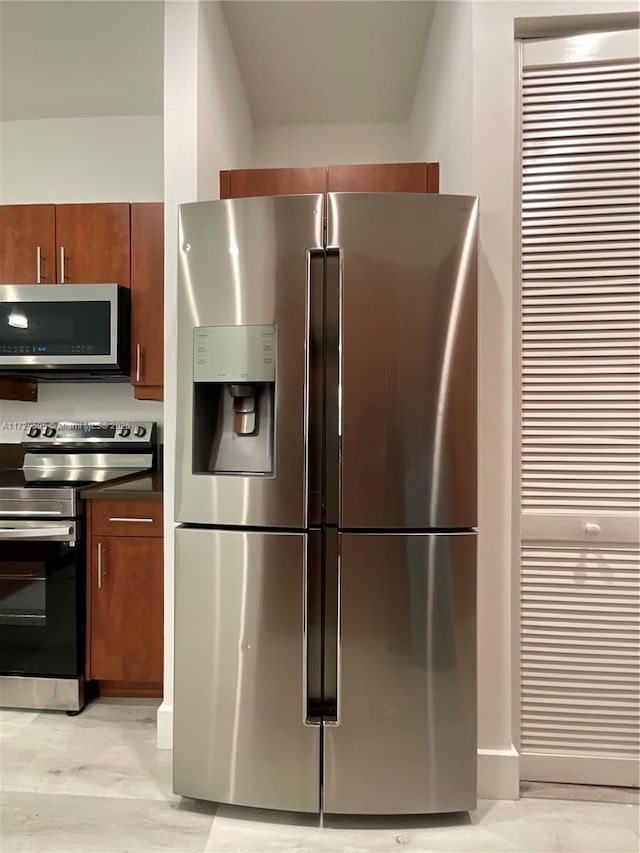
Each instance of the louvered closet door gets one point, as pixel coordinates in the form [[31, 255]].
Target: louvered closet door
[[580, 629]]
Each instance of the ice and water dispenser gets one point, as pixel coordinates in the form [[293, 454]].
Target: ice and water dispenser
[[234, 374]]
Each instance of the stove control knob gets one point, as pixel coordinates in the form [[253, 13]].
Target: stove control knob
[[33, 431], [49, 431], [125, 432], [139, 431]]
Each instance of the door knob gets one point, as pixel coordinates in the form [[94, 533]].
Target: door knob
[[591, 529]]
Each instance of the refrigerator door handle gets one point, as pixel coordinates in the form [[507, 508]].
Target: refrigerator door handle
[[307, 719], [332, 629], [314, 404], [334, 720], [333, 383], [307, 413]]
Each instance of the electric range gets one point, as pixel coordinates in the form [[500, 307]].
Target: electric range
[[42, 553]]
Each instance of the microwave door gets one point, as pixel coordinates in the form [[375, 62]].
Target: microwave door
[[45, 331]]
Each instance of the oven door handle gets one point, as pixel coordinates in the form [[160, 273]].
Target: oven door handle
[[35, 532]]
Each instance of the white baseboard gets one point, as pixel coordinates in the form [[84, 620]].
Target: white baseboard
[[579, 769], [499, 774], [165, 726]]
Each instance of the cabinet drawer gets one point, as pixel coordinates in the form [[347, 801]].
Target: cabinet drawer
[[126, 518]]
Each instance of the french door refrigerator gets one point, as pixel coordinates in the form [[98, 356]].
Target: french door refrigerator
[[325, 631]]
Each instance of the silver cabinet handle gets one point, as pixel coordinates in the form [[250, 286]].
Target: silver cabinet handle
[[62, 275], [99, 565], [38, 266], [591, 529], [118, 518], [138, 362]]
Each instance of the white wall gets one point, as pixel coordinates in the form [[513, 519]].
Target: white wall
[[494, 181], [206, 128], [111, 158], [326, 144], [441, 118], [225, 126], [181, 185]]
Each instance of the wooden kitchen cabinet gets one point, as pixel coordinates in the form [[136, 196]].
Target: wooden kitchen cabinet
[[65, 243], [93, 243], [126, 518], [147, 300], [125, 613], [27, 256], [102, 243], [243, 183], [374, 177], [27, 244], [383, 178]]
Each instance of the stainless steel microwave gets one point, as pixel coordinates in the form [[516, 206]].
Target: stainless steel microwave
[[65, 331]]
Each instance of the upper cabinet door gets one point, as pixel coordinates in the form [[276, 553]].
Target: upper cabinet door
[[27, 244], [407, 337], [147, 299], [383, 178], [243, 183], [93, 243]]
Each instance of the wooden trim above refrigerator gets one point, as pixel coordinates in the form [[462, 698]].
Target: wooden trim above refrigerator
[[362, 177]]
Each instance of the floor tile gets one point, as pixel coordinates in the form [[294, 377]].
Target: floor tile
[[62, 823]]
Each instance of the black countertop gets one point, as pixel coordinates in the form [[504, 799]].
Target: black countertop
[[140, 487]]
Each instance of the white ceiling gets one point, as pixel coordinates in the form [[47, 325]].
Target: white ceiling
[[62, 59], [324, 61], [302, 61]]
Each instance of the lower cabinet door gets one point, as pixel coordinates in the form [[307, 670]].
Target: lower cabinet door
[[405, 739], [127, 609], [240, 685]]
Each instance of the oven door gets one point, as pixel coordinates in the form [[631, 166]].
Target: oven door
[[41, 598]]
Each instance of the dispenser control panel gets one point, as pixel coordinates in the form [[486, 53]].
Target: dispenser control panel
[[234, 354]]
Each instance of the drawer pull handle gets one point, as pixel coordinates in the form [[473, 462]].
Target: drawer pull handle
[[118, 518]]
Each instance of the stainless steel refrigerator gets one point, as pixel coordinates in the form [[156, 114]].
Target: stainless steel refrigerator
[[325, 628]]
